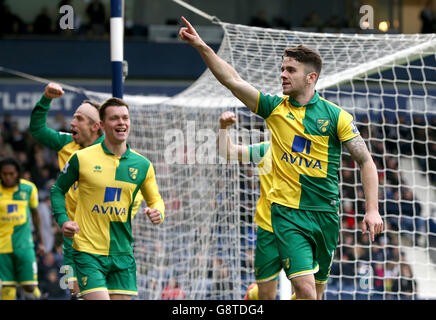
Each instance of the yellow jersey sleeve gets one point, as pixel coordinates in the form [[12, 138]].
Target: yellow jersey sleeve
[[346, 128], [150, 191]]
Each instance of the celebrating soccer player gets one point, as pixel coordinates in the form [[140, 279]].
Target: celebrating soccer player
[[110, 174], [18, 198], [267, 261], [85, 131], [307, 137]]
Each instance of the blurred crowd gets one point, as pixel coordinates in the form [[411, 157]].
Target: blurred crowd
[[39, 165], [404, 138], [93, 21], [357, 260]]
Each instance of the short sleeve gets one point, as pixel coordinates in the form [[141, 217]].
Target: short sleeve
[[346, 128], [266, 104]]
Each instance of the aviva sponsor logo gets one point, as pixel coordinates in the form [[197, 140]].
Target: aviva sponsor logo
[[12, 208], [13, 214], [301, 145], [110, 195]]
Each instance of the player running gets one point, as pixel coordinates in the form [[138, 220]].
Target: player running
[[18, 201], [110, 174], [267, 261]]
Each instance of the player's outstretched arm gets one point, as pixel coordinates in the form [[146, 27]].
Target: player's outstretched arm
[[226, 148], [222, 71], [372, 221]]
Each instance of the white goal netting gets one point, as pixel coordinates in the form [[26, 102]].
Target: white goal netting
[[206, 244]]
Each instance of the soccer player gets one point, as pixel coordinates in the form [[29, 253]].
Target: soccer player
[[307, 134], [267, 261], [18, 200], [85, 131], [110, 174]]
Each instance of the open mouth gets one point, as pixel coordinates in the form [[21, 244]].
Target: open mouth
[[121, 130], [74, 133]]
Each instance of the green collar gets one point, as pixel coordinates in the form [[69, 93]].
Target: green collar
[[106, 150], [99, 140], [312, 101]]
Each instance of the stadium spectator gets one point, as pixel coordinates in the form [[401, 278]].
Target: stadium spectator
[[6, 150], [313, 21], [427, 18], [50, 288], [405, 286], [43, 23], [97, 18], [260, 20], [47, 225], [222, 284], [410, 220], [172, 291], [10, 23]]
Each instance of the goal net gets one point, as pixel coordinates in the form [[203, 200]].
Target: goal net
[[206, 244]]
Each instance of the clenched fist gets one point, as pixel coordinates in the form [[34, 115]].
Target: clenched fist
[[53, 91], [227, 119]]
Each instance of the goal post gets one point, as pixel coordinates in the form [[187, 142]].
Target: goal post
[[387, 82]]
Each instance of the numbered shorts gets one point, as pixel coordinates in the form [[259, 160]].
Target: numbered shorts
[[69, 268], [267, 263], [113, 273], [19, 267], [307, 240]]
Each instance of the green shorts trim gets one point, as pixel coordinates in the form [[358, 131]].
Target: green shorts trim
[[267, 263], [307, 240], [112, 273], [19, 267]]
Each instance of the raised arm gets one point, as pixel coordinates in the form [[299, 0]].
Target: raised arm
[[226, 148], [368, 171], [38, 120], [222, 71]]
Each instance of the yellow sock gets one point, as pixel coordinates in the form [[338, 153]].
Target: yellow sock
[[33, 295], [9, 293], [253, 293]]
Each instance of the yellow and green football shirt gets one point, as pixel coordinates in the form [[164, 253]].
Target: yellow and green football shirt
[[108, 186], [306, 143], [260, 154], [15, 205]]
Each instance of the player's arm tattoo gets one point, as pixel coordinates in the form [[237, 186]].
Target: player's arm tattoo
[[358, 150]]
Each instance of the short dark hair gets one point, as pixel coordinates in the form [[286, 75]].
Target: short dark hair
[[306, 56], [111, 102], [11, 162]]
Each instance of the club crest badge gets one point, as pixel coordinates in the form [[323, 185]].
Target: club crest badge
[[133, 172], [323, 125]]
